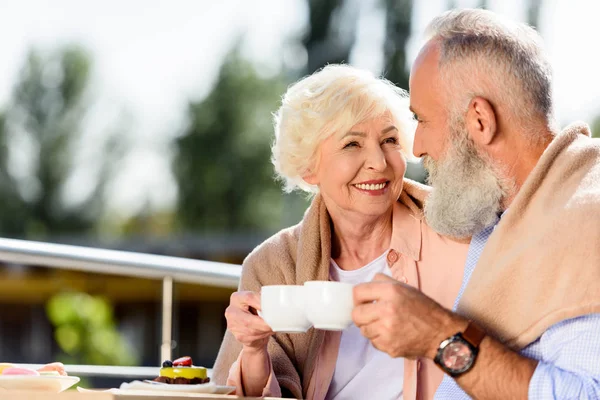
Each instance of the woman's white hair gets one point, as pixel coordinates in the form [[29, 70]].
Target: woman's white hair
[[483, 54], [333, 99]]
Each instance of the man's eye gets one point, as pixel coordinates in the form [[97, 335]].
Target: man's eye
[[415, 117]]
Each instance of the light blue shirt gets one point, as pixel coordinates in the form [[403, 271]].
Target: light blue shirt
[[568, 352]]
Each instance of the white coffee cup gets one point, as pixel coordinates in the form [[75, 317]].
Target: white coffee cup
[[329, 305], [282, 308]]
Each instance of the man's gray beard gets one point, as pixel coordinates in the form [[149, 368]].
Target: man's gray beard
[[467, 191]]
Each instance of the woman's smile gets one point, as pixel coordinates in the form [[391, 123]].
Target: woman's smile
[[373, 187]]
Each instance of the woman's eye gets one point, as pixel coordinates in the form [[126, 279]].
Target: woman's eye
[[415, 117], [351, 144], [391, 140]]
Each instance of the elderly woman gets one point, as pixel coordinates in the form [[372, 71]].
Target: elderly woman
[[344, 135]]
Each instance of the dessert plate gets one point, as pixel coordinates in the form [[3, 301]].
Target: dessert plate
[[139, 387], [55, 384]]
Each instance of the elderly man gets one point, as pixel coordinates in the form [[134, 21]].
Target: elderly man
[[527, 318]]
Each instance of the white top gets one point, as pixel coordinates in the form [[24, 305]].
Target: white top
[[362, 371]]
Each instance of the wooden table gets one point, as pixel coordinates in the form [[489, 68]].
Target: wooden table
[[72, 395]]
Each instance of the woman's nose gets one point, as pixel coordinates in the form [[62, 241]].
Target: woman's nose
[[376, 159]]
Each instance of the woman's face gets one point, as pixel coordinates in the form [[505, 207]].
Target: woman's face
[[361, 170]]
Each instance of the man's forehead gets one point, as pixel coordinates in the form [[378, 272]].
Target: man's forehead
[[427, 60], [424, 75], [429, 53]]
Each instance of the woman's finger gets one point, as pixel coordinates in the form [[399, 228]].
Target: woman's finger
[[241, 320], [245, 299]]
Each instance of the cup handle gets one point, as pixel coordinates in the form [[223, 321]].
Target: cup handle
[[255, 311]]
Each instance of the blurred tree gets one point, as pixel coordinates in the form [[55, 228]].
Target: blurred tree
[[222, 160], [398, 31], [533, 12], [40, 132], [596, 127], [330, 33]]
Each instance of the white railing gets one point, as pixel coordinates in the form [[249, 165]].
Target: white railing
[[124, 263]]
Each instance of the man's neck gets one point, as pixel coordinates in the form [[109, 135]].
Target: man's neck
[[521, 160]]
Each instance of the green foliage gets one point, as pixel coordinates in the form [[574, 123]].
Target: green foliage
[[596, 127], [222, 162], [40, 132], [85, 331]]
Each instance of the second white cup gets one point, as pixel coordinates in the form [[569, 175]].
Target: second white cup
[[328, 305]]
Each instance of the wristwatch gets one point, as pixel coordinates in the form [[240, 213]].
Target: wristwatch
[[456, 355]]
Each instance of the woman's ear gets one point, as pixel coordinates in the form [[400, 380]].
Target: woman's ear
[[481, 121], [311, 178]]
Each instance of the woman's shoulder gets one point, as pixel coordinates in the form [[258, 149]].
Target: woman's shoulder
[[273, 261], [280, 244], [284, 244]]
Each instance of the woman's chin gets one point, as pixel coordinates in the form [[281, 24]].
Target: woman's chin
[[375, 208]]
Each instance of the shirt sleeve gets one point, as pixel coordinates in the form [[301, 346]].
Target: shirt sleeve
[[569, 360]]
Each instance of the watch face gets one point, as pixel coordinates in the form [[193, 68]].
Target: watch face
[[457, 356]]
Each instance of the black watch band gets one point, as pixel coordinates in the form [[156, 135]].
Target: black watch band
[[457, 354]]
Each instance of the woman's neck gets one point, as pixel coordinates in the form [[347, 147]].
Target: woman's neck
[[357, 240]]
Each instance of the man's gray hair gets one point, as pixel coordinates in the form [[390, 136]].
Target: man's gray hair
[[483, 54]]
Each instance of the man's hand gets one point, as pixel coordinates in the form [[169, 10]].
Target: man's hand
[[400, 320], [403, 322]]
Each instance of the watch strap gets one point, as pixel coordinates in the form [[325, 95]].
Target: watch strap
[[473, 334]]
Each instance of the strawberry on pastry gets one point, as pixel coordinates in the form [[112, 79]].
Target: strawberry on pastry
[[55, 366]]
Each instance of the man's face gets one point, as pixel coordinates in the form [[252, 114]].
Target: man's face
[[468, 190], [428, 104]]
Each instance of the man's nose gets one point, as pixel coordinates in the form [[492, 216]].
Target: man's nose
[[418, 145]]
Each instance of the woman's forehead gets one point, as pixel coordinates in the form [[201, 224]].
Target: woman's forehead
[[384, 118]]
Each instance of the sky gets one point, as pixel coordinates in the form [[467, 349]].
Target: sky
[[152, 57]]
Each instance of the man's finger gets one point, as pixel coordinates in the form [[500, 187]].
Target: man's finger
[[368, 292], [365, 313], [370, 331], [383, 278]]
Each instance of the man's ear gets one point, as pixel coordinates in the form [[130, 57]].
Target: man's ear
[[481, 121]]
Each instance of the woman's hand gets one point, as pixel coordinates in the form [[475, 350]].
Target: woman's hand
[[253, 333], [248, 328]]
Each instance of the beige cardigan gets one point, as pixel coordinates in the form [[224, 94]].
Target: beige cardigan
[[426, 260], [542, 263]]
